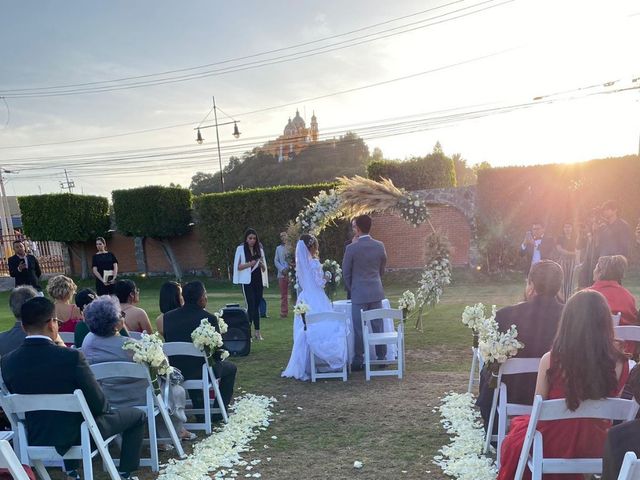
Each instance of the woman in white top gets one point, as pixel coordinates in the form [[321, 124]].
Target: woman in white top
[[250, 271]]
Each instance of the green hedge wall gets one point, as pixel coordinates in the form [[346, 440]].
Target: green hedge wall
[[433, 171], [153, 211], [223, 218], [64, 217], [511, 198]]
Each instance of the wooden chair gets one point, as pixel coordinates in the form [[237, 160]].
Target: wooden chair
[[606, 409], [206, 383], [630, 469], [315, 318], [500, 403], [153, 406], [19, 405], [383, 338], [9, 460]]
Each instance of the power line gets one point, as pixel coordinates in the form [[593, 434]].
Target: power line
[[275, 60]]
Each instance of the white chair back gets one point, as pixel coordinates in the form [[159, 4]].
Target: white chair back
[[384, 338], [9, 461], [500, 403], [627, 333], [75, 403], [615, 318], [544, 410], [135, 335], [314, 318], [67, 337], [630, 469]]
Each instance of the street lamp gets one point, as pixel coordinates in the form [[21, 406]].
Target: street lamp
[[200, 139]]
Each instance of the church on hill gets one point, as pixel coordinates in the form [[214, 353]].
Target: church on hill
[[296, 137]]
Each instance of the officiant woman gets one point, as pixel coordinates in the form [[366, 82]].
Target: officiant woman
[[250, 271], [104, 261]]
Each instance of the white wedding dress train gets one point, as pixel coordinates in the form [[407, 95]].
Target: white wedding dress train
[[326, 339]]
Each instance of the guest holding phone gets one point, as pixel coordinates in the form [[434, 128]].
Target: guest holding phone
[[24, 267], [105, 268], [250, 271], [536, 247]]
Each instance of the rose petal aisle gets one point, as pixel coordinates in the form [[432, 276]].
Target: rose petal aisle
[[221, 451], [462, 458]]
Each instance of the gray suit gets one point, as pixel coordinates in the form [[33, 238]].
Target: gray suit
[[12, 339], [363, 266]]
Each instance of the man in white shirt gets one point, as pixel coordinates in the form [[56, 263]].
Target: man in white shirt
[[282, 267], [536, 247]]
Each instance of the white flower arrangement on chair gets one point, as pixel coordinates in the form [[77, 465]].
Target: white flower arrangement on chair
[[148, 352], [207, 339]]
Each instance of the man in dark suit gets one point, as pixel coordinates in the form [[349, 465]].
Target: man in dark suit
[[178, 325], [622, 438], [537, 320], [40, 367], [24, 267], [363, 267], [536, 247]]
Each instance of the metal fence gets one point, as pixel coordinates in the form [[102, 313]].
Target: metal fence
[[49, 254]]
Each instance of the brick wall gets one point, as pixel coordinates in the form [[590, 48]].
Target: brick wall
[[405, 244]]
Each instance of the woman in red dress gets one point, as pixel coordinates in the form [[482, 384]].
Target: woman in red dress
[[584, 363]]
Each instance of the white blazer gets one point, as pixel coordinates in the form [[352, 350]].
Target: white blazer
[[244, 276]]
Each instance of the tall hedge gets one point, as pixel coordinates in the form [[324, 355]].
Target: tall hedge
[[223, 218], [153, 211], [511, 198], [64, 217], [432, 171]]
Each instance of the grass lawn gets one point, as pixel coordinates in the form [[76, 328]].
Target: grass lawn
[[387, 423]]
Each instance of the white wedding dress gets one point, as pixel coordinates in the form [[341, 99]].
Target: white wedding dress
[[326, 339]]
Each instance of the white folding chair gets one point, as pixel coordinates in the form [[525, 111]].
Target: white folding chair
[[135, 335], [476, 367], [67, 337], [615, 318], [606, 409], [630, 469], [500, 403], [9, 461], [74, 402], [627, 333], [153, 406], [206, 383], [395, 337], [315, 318]]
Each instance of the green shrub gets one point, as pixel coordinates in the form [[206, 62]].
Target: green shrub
[[64, 217], [223, 218], [153, 211], [432, 171]]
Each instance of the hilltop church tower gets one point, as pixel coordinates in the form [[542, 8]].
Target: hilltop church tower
[[295, 138]]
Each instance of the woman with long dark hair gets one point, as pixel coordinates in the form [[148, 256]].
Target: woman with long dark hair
[[170, 299], [250, 271], [583, 364]]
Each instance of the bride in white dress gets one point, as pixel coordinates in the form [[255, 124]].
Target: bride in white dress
[[325, 338]]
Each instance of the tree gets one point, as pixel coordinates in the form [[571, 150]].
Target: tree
[[377, 155], [67, 218], [155, 211], [465, 175]]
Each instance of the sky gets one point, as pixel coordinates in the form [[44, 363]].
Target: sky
[[510, 82]]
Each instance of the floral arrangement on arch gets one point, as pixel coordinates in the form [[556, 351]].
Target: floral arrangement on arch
[[148, 352]]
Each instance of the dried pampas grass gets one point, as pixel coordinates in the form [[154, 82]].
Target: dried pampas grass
[[361, 195]]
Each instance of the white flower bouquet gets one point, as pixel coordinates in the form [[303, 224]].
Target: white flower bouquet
[[407, 302], [209, 341], [333, 276], [148, 352], [302, 309], [474, 317], [413, 209]]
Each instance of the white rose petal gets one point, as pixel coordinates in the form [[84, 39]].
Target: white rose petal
[[357, 464]]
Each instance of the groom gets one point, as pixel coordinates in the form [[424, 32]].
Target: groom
[[362, 267]]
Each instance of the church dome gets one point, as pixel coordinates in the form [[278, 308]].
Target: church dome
[[289, 129], [298, 122]]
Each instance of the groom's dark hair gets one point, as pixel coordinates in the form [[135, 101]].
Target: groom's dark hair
[[363, 222]]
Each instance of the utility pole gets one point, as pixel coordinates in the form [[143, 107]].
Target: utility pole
[[69, 184]]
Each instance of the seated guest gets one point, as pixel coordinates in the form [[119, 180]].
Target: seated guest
[[583, 364], [622, 438], [12, 339], [608, 276], [537, 321], [61, 288], [83, 298], [135, 318], [178, 325], [104, 344], [170, 299], [40, 367]]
